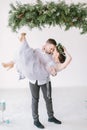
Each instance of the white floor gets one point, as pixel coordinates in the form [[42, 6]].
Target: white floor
[[70, 106]]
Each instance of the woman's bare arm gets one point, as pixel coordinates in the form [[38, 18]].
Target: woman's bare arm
[[61, 66]]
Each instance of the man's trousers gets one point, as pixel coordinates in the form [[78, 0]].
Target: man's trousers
[[35, 88]]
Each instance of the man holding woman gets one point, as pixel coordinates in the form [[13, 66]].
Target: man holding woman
[[37, 65]]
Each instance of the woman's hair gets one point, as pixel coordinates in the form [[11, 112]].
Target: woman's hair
[[62, 56], [51, 41]]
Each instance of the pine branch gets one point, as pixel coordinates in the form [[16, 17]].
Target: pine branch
[[51, 13]]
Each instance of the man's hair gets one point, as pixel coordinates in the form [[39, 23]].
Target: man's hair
[[51, 41]]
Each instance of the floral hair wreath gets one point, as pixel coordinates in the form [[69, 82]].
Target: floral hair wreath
[[60, 49]]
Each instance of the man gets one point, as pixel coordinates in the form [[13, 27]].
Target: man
[[40, 78]]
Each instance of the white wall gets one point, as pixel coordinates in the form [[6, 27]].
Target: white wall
[[74, 75]]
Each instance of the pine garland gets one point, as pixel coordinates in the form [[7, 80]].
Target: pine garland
[[50, 13]]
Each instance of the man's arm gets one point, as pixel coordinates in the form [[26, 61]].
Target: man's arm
[[51, 70]]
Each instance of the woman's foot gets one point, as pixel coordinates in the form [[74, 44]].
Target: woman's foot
[[8, 65]]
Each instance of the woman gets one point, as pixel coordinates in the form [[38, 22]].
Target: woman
[[28, 58]]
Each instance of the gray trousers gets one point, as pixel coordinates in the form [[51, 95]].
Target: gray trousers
[[35, 88]]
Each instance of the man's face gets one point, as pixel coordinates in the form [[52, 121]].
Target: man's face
[[55, 56], [49, 48]]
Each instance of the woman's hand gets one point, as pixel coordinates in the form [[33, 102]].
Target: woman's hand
[[64, 48], [22, 37]]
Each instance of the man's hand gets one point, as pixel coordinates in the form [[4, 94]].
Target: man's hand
[[53, 71]]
